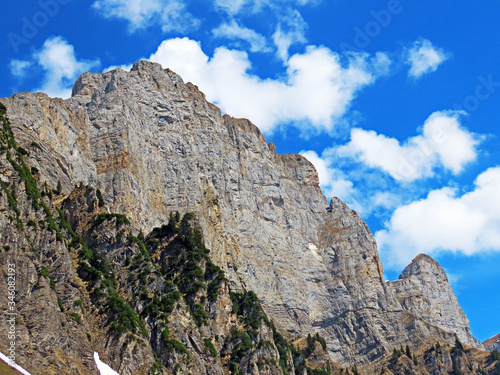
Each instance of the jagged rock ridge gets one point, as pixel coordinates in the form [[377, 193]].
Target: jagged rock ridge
[[423, 289], [153, 145]]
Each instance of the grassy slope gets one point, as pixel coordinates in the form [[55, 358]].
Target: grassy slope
[[5, 369]]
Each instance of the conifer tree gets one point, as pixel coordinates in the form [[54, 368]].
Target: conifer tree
[[408, 352]]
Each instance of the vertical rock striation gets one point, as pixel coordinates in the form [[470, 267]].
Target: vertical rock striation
[[153, 145], [423, 289]]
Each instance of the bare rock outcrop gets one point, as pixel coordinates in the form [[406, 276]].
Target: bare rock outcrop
[[153, 145], [423, 289]]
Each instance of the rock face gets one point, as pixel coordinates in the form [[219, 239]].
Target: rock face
[[492, 343], [76, 280], [47, 337], [153, 145], [423, 289]]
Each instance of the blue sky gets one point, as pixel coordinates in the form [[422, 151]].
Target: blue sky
[[395, 102]]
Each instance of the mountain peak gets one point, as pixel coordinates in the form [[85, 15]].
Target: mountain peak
[[144, 74], [152, 145], [146, 65], [423, 289], [424, 264]]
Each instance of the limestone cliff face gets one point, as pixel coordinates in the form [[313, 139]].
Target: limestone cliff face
[[153, 145], [423, 289], [82, 282]]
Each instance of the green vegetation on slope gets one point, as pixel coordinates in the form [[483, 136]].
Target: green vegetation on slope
[[132, 279]]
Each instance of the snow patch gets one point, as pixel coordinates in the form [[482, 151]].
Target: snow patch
[[104, 369], [314, 250]]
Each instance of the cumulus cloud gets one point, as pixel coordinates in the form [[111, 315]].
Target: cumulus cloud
[[317, 88], [234, 31], [172, 15], [291, 30], [57, 58], [424, 58], [61, 67], [442, 142], [445, 221]]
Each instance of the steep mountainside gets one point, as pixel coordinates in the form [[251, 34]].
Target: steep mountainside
[[142, 145], [492, 343], [423, 290], [152, 304]]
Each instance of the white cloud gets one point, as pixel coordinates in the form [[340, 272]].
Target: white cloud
[[137, 12], [234, 31], [424, 58], [444, 221], [291, 30], [231, 6], [455, 146], [337, 181], [325, 174], [317, 88], [60, 65], [443, 142], [18, 67], [57, 58], [184, 56], [386, 200], [172, 15]]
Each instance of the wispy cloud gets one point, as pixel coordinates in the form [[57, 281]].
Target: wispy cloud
[[233, 31], [291, 30], [424, 58], [442, 142], [314, 93], [171, 15], [254, 6], [230, 6], [18, 68], [445, 221]]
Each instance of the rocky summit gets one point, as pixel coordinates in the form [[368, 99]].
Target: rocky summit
[[172, 239]]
